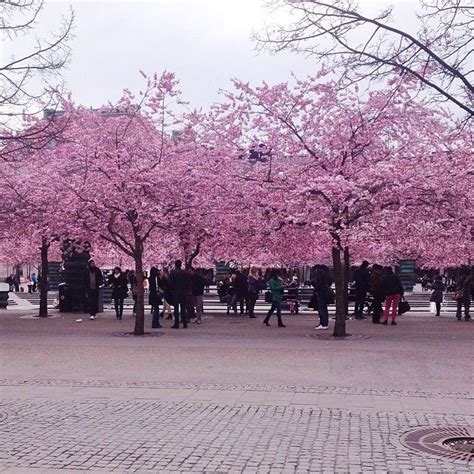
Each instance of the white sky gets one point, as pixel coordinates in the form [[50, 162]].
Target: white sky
[[205, 42]]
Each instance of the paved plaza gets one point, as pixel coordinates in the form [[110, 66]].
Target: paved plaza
[[230, 395]]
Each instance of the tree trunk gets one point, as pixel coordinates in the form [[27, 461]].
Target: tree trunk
[[189, 261], [17, 278], [340, 325], [44, 284], [140, 314], [346, 271]]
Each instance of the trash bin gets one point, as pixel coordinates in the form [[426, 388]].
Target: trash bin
[[4, 290], [65, 298]]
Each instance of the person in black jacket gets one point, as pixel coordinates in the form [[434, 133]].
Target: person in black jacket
[[11, 282], [241, 289], [464, 290], [179, 284], [254, 285], [199, 283], [154, 297], [231, 296], [118, 282], [93, 280], [190, 310], [377, 291], [163, 283], [393, 290], [436, 297], [362, 285], [322, 289]]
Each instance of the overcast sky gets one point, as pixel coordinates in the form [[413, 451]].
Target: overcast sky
[[205, 42]]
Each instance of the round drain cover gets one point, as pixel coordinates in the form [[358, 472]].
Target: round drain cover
[[35, 316], [462, 445], [453, 442]]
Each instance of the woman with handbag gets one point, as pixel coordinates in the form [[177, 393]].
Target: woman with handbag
[[437, 295], [393, 290]]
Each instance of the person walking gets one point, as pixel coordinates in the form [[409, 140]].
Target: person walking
[[93, 281], [393, 290], [154, 297], [323, 294], [253, 285], [437, 295], [293, 295], [118, 282], [241, 290], [362, 285], [377, 291], [464, 288], [198, 283], [179, 284], [276, 287]]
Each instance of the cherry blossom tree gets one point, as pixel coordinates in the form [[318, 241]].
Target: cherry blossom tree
[[32, 220], [110, 163], [133, 187], [340, 159], [338, 175]]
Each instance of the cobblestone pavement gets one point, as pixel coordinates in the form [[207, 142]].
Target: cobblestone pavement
[[140, 435], [229, 398], [247, 387], [270, 430]]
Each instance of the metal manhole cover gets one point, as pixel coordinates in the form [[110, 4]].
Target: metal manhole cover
[[3, 416], [327, 336], [453, 442], [461, 445], [33, 316]]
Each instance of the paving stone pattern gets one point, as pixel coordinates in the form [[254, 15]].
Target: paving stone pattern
[[241, 387], [141, 435]]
